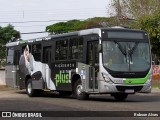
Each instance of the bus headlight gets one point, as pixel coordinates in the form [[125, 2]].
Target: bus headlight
[[106, 78], [149, 79]]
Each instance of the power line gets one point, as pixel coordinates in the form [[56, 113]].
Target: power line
[[31, 26], [35, 32], [39, 21]]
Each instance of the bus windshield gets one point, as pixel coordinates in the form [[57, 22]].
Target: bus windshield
[[126, 56]]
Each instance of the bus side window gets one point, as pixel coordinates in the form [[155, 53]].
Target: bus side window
[[36, 52], [61, 49], [76, 48], [47, 54], [16, 57], [10, 56], [23, 47]]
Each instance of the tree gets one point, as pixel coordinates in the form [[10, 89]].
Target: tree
[[63, 27], [135, 8], [151, 24], [144, 15], [6, 34], [74, 25]]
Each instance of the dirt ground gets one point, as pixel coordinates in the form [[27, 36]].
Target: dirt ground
[[6, 88], [156, 83]]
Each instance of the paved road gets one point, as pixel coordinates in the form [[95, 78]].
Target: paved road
[[17, 100]]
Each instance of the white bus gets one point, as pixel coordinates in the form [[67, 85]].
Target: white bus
[[114, 61]]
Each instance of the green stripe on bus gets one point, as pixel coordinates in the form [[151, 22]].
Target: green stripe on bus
[[22, 42], [137, 80]]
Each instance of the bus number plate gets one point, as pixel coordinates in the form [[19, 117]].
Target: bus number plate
[[129, 91]]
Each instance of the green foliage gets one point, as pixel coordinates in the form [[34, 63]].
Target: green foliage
[[74, 25], [151, 24], [63, 27], [7, 34], [147, 17]]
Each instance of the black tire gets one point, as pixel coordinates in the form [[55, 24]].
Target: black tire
[[65, 93], [30, 91], [120, 96], [77, 91]]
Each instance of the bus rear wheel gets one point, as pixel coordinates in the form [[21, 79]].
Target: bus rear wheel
[[30, 91], [77, 91], [120, 96]]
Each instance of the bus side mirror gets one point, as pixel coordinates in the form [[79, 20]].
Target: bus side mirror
[[99, 47]]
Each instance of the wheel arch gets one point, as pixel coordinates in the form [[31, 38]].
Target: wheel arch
[[26, 79], [74, 78]]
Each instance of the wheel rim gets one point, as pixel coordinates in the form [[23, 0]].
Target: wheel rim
[[79, 90], [29, 88]]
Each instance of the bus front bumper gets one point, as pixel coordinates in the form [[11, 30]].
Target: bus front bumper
[[122, 88]]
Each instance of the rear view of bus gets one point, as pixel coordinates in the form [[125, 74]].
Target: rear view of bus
[[125, 62]]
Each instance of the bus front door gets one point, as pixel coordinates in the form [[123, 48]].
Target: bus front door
[[92, 61]]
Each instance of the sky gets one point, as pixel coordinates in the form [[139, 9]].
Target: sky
[[34, 15]]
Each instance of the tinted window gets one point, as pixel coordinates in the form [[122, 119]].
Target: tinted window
[[10, 56], [23, 47], [76, 48], [71, 49], [16, 57], [36, 52], [61, 50]]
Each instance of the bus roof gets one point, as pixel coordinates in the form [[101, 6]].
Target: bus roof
[[76, 33]]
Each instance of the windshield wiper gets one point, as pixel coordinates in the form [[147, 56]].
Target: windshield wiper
[[123, 51], [131, 51], [134, 47]]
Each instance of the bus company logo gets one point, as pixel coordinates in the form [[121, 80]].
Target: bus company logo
[[130, 81], [6, 114], [62, 77]]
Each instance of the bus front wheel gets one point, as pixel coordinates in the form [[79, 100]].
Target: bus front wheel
[[120, 96], [78, 93]]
